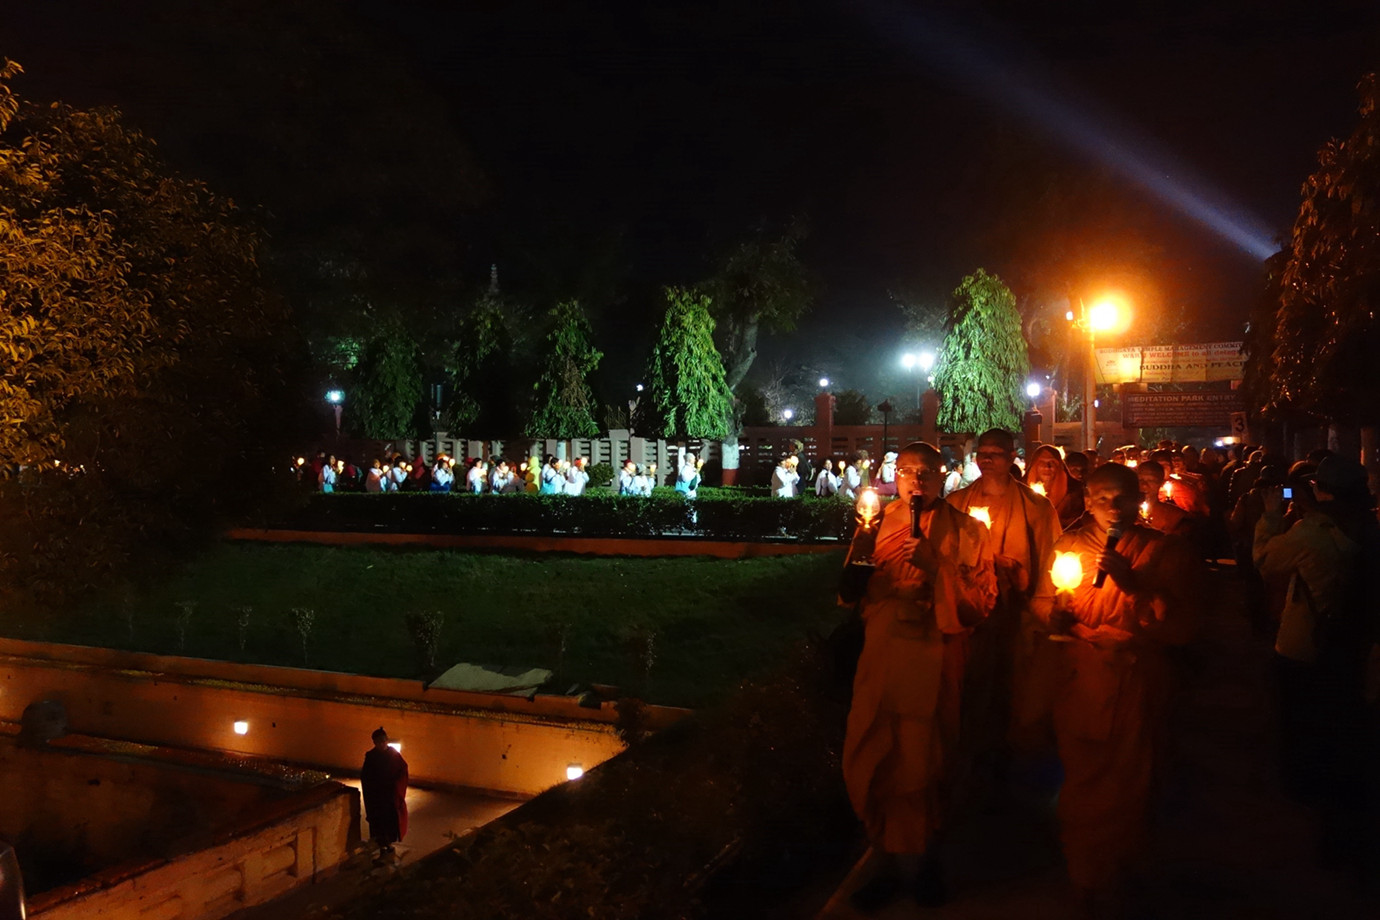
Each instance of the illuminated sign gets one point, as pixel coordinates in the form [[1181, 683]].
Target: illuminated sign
[[1203, 363]]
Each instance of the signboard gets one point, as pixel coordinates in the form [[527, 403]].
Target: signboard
[[1171, 363], [1179, 410]]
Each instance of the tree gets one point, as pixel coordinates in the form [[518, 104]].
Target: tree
[[564, 405], [482, 364], [760, 283], [1326, 337], [134, 326], [983, 365], [851, 407], [388, 387], [688, 395]]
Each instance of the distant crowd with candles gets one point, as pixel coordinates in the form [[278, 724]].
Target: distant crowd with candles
[[1015, 608]]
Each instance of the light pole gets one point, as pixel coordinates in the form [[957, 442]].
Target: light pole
[[1105, 315], [337, 399], [923, 362]]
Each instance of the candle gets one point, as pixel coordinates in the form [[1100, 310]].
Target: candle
[[981, 515], [1131, 464], [1145, 510], [868, 506], [1067, 571], [1038, 488], [1168, 489]]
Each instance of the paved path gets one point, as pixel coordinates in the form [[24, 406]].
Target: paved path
[[1228, 845], [434, 818]]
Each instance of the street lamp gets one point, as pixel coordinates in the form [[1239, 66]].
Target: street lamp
[[824, 383], [1109, 314], [922, 361], [1032, 389], [337, 399], [788, 414]]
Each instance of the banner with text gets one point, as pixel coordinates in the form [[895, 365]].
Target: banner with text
[[1180, 410], [1171, 363]]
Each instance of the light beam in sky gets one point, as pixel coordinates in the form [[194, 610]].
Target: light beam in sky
[[943, 47]]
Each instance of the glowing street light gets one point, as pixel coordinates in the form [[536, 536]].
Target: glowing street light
[[823, 383], [1107, 315], [1032, 389], [788, 414], [924, 363], [337, 399]]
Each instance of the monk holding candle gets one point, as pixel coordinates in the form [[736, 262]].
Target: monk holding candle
[[922, 582], [1003, 671], [1114, 679]]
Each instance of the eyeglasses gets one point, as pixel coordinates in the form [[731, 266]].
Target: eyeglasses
[[913, 472]]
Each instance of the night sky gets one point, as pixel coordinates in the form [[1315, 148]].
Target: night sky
[[641, 138]]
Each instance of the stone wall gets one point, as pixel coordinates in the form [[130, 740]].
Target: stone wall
[[72, 813], [502, 744]]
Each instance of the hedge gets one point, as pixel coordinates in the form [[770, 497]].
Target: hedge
[[664, 513]]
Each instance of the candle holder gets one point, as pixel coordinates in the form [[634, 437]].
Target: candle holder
[[869, 519], [1067, 575]]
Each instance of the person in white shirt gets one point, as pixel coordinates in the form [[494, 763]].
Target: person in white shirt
[[398, 474], [850, 480], [474, 479], [688, 477], [552, 479], [826, 480], [784, 478], [373, 480], [441, 476], [326, 478], [502, 479], [627, 478], [644, 480], [576, 478]]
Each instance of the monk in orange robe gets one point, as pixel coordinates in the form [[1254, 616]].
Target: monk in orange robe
[[1111, 699], [1048, 470], [918, 605], [1007, 693]]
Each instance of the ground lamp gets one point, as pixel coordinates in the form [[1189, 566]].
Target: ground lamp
[[574, 771], [241, 728]]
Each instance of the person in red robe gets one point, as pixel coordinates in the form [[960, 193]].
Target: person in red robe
[[919, 597], [383, 782], [1111, 699]]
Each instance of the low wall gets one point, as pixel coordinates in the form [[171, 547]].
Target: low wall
[[286, 845], [501, 744], [79, 812], [590, 546]]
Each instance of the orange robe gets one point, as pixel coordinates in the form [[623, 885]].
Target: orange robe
[[904, 720], [1006, 684], [1111, 698]]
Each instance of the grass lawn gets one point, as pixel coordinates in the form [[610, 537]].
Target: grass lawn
[[711, 622]]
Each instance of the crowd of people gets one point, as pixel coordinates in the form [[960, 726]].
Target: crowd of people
[[553, 476], [1018, 607]]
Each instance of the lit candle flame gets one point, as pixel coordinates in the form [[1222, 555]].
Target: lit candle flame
[[868, 506], [1067, 571], [981, 515], [1038, 488], [1131, 464], [1145, 510], [1168, 488]]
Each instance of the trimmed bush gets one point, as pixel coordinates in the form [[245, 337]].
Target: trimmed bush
[[594, 514]]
